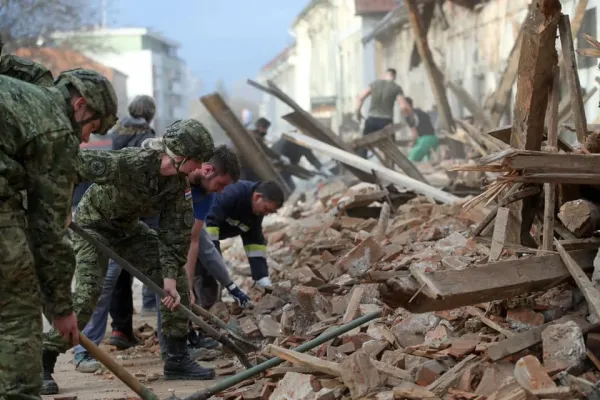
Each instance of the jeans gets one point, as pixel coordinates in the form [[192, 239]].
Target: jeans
[[373, 125], [96, 328], [148, 299]]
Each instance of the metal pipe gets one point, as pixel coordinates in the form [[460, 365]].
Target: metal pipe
[[273, 362]]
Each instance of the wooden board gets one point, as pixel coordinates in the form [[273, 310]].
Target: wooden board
[[494, 281], [248, 149]]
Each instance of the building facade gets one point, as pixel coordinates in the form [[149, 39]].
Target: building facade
[[471, 47], [325, 70], [282, 71], [152, 64]]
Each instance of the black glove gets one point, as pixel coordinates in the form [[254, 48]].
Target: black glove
[[241, 297]]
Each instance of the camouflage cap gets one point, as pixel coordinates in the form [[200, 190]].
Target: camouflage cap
[[97, 90], [189, 138]]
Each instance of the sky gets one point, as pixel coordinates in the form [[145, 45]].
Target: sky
[[220, 39]]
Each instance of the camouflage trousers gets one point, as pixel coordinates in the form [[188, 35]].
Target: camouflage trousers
[[20, 309], [137, 244]]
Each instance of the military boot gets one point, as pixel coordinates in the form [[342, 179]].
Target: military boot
[[49, 386], [179, 365]]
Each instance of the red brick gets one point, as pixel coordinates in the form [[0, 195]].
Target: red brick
[[531, 375]]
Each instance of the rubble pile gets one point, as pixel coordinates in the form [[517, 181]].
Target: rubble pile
[[329, 268]]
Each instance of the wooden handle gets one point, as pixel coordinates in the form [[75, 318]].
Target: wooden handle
[[116, 368]]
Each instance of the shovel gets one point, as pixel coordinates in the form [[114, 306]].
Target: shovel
[[209, 330]]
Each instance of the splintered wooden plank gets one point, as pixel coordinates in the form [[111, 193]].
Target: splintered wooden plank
[[568, 50], [494, 281], [591, 294]]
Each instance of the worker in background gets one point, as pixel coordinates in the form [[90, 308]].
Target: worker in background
[[294, 153], [42, 123], [116, 295], [261, 127], [239, 211], [424, 138], [384, 93]]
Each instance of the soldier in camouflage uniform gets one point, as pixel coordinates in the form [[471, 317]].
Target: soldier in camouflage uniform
[[41, 126], [128, 184]]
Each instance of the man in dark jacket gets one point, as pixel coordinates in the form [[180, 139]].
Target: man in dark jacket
[[117, 296], [239, 211], [294, 153]]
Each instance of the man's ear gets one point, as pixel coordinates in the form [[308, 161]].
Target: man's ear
[[79, 102]]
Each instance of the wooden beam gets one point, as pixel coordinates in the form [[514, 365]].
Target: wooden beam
[[535, 74], [365, 165], [550, 189], [436, 78], [427, 17], [309, 124], [568, 51], [591, 294], [539, 161], [248, 149], [494, 281]]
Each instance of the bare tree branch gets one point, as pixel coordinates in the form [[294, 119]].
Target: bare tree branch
[[34, 23]]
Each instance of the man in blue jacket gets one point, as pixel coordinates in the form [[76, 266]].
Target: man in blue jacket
[[239, 211]]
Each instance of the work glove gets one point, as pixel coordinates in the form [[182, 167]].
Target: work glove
[[241, 297], [265, 283]]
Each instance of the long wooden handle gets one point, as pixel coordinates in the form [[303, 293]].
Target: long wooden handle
[[116, 368]]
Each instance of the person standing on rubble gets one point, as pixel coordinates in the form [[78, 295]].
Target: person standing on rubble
[[129, 184], [42, 124], [384, 93], [117, 296], [239, 211], [424, 138]]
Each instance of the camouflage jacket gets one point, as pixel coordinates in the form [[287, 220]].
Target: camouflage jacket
[[38, 149], [127, 186]]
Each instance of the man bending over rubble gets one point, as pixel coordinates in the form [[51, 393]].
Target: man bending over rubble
[[203, 252], [129, 184], [239, 210]]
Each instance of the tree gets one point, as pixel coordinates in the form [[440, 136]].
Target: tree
[[33, 23]]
